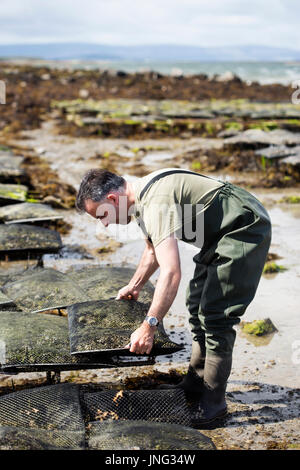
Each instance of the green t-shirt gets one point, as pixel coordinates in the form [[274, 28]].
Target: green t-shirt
[[174, 204]]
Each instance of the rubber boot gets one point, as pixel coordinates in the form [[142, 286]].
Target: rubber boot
[[192, 384], [212, 408]]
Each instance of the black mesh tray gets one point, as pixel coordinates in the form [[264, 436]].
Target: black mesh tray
[[167, 406], [106, 325], [45, 414], [105, 282], [40, 342], [18, 239], [43, 289]]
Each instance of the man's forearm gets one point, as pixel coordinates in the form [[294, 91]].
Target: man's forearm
[[147, 266], [165, 293]]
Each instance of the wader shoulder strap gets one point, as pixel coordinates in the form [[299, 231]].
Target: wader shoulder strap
[[167, 173]]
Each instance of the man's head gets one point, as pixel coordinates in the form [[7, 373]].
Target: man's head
[[102, 194]]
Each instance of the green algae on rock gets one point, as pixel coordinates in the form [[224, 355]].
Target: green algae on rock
[[271, 267], [28, 212], [259, 327], [12, 193], [107, 325]]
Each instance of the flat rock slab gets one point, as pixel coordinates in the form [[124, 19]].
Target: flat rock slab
[[278, 151], [255, 138], [293, 160], [19, 238], [105, 282], [106, 325], [44, 289], [10, 166], [28, 212], [12, 193], [143, 435]]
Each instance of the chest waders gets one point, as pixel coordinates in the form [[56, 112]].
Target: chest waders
[[237, 237]]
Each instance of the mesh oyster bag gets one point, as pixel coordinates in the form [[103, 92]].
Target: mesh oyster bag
[[43, 417], [5, 302], [105, 282], [40, 342], [43, 289], [106, 325], [142, 435], [31, 340], [18, 239], [148, 405], [27, 212]]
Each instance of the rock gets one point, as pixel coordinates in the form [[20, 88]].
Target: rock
[[256, 138], [10, 167], [12, 193], [259, 327], [27, 212], [91, 121], [293, 160], [277, 151], [83, 93], [227, 77], [228, 133]]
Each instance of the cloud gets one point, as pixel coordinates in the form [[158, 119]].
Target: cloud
[[193, 22]]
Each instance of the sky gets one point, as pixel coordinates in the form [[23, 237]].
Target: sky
[[139, 22]]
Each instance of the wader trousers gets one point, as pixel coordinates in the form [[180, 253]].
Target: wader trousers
[[237, 236]]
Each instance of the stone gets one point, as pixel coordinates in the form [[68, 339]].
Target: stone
[[12, 193], [28, 212]]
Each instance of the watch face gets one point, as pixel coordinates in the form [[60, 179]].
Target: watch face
[[152, 321]]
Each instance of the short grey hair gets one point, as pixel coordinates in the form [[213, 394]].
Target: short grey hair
[[95, 185]]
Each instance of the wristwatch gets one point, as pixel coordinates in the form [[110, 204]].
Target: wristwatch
[[152, 321]]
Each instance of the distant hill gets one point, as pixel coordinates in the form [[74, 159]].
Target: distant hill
[[166, 53]]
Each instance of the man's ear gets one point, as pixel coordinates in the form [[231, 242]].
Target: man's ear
[[113, 197]]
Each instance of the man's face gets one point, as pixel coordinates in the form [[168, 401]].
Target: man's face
[[112, 210]]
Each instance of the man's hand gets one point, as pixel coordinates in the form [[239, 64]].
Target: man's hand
[[128, 293], [141, 340]]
